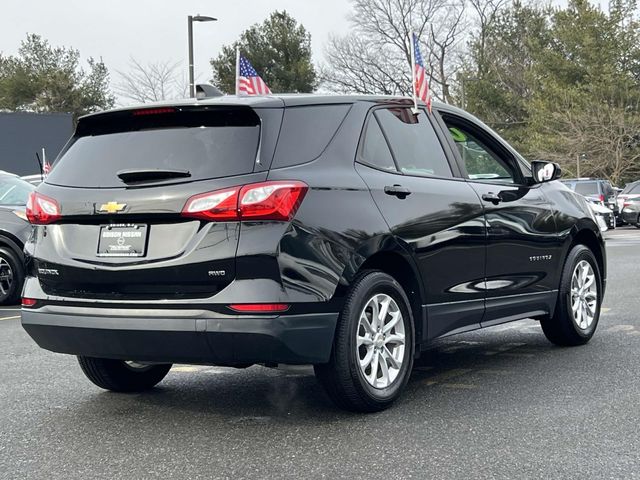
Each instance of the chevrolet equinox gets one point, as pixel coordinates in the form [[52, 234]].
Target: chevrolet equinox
[[346, 232]]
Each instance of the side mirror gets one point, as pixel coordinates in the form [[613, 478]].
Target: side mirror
[[545, 171]]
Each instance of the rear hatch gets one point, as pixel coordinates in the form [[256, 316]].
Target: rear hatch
[[121, 185]]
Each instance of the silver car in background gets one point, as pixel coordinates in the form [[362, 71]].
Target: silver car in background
[[629, 203]]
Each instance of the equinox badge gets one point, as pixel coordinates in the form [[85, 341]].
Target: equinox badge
[[112, 207]]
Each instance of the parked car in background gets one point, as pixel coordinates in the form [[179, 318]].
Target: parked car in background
[[14, 231], [595, 190], [36, 179], [347, 232], [604, 216], [629, 203]]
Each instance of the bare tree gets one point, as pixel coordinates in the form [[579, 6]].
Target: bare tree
[[607, 134], [151, 82], [486, 12], [376, 56]]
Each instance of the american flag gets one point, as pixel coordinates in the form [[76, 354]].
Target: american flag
[[249, 82], [46, 169], [421, 85]]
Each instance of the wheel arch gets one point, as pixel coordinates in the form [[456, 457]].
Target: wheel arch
[[593, 242], [401, 267], [12, 242]]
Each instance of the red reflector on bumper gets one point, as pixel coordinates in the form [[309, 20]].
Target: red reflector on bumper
[[259, 307], [28, 302]]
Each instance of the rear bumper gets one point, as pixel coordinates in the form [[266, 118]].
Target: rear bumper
[[181, 336], [630, 217]]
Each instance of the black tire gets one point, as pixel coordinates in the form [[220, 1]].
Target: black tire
[[119, 376], [638, 222], [342, 376], [10, 264], [562, 329]]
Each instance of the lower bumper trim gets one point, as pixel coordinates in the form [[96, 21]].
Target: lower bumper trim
[[289, 339]]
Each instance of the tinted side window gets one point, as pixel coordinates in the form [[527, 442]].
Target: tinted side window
[[375, 151], [480, 161], [634, 189], [413, 142], [306, 132]]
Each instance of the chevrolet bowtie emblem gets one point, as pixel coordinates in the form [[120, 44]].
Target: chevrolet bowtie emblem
[[112, 207]]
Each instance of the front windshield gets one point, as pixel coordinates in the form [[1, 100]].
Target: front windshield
[[14, 191]]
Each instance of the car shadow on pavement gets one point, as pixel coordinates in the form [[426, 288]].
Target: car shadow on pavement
[[461, 364]]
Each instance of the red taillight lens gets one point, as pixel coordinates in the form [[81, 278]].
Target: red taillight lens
[[278, 200], [220, 205], [42, 210], [602, 198], [271, 200], [259, 307], [28, 302]]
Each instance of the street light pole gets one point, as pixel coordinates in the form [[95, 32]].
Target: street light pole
[[190, 20], [192, 91]]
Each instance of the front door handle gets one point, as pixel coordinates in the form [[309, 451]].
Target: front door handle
[[397, 190], [491, 197]]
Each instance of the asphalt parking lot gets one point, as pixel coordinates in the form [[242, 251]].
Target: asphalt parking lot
[[502, 403]]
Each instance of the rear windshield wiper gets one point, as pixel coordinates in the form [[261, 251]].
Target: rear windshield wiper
[[150, 174]]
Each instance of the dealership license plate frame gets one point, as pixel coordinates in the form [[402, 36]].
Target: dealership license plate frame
[[125, 245]]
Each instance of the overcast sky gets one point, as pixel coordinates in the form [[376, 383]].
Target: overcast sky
[[156, 30]]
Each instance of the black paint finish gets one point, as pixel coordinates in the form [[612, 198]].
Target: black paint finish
[[477, 253]]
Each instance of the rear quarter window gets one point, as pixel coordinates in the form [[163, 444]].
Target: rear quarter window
[[306, 132]]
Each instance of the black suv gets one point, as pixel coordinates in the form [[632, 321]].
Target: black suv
[[343, 232]]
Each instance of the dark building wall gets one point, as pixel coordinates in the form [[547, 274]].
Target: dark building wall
[[23, 134]]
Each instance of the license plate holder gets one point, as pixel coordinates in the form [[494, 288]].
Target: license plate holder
[[122, 240]]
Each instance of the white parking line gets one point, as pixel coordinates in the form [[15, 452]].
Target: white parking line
[[9, 318]]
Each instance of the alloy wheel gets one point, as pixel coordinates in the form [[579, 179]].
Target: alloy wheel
[[6, 278], [381, 341], [584, 295]]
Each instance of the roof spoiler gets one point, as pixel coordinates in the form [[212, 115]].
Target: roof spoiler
[[205, 90]]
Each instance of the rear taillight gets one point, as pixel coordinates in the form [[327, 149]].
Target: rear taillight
[[42, 210], [278, 200], [602, 198]]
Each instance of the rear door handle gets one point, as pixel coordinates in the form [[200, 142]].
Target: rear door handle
[[397, 190], [491, 197]]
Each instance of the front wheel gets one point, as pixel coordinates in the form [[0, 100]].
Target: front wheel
[[373, 348], [122, 376], [578, 307]]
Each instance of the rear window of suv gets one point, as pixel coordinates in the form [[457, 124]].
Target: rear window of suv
[[208, 143], [587, 188]]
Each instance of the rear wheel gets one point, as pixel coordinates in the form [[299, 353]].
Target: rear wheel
[[578, 308], [638, 222], [122, 376], [11, 277], [373, 348]]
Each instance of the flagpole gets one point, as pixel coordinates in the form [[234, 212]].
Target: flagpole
[[413, 72], [237, 69]]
